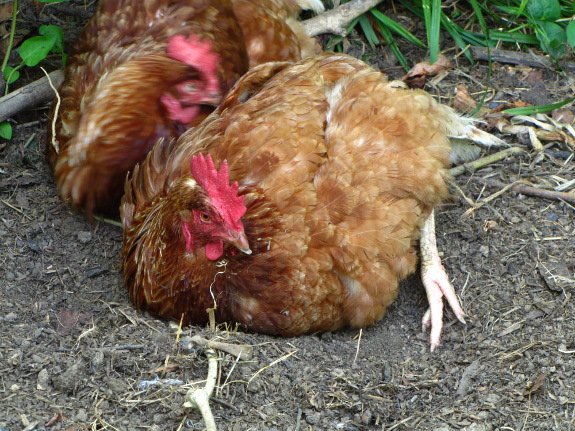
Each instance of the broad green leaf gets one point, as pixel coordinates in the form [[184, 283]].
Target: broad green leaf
[[55, 32], [35, 49], [6, 130], [552, 38], [10, 74], [544, 10]]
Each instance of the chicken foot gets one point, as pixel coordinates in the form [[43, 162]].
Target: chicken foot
[[436, 284]]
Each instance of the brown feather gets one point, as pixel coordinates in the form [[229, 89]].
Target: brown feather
[[111, 115], [339, 169]]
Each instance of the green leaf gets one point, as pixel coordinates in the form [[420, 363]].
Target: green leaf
[[544, 10], [6, 130], [10, 74], [528, 110], [35, 49], [570, 33], [55, 32], [552, 38]]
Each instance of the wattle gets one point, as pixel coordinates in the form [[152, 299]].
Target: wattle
[[214, 250]]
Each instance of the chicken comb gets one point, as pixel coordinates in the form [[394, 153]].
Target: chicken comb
[[223, 195]]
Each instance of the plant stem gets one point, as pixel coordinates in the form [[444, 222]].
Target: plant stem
[[12, 31]]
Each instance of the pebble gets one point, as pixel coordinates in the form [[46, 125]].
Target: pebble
[[313, 418], [84, 237]]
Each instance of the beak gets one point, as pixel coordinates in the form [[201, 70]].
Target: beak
[[240, 241], [213, 99]]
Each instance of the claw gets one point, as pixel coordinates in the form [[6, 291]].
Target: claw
[[437, 285]]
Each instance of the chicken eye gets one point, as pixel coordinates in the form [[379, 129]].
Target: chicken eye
[[191, 87], [204, 217]]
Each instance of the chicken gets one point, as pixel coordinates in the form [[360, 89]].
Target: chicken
[[144, 70], [296, 207]]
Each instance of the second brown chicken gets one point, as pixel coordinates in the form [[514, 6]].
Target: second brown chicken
[[143, 70]]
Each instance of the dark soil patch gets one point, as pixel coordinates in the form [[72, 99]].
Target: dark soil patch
[[75, 354]]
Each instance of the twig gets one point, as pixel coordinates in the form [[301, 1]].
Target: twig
[[530, 191], [242, 351], [281, 358], [495, 195], [512, 57], [358, 344], [54, 141], [107, 220], [29, 96], [199, 398], [126, 347], [336, 20], [484, 161], [298, 420]]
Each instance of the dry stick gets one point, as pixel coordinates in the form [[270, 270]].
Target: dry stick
[[512, 57], [199, 398], [29, 96], [484, 161], [54, 141], [241, 351], [530, 191], [336, 20]]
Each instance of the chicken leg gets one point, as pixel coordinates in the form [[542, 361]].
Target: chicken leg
[[436, 283]]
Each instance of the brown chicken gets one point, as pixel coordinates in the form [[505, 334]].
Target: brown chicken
[[297, 206], [144, 70]]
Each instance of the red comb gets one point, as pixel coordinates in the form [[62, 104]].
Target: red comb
[[223, 196]]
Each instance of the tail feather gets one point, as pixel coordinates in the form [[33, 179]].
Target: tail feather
[[464, 134], [314, 5]]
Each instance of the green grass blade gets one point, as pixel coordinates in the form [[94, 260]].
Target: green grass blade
[[390, 24], [368, 31], [454, 32], [540, 109], [393, 46]]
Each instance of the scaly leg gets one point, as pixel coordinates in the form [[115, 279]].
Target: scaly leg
[[436, 283]]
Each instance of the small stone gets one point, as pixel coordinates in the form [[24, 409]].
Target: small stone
[[116, 385], [10, 317], [43, 381], [493, 398], [313, 418], [84, 237], [81, 416]]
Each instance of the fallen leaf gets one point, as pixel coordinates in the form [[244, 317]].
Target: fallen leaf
[[67, 320], [55, 419], [563, 116], [6, 11], [535, 385], [165, 368], [418, 75]]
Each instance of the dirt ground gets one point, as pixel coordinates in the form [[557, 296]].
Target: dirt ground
[[75, 354]]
